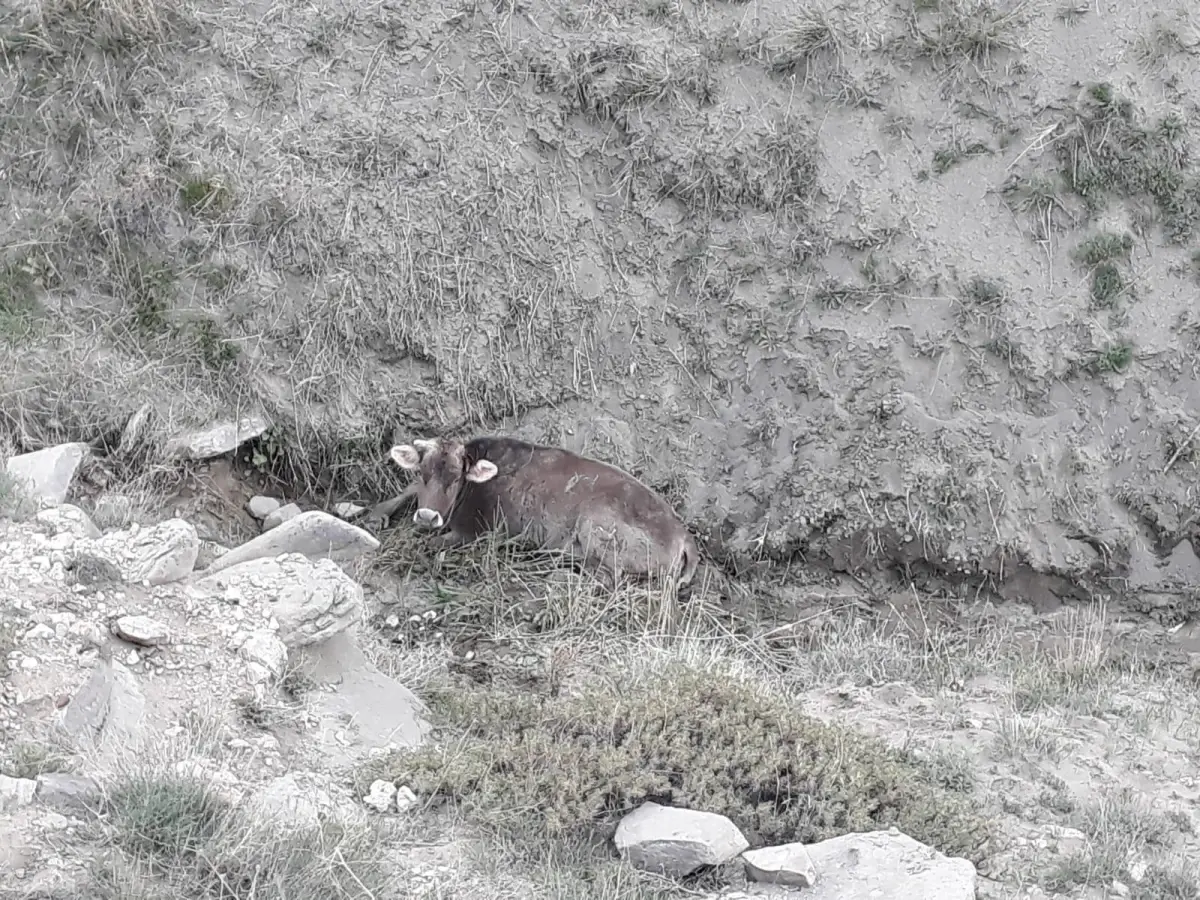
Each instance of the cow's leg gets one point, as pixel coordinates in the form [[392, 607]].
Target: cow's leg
[[447, 540], [380, 515]]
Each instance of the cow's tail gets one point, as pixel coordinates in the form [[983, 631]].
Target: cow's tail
[[689, 560]]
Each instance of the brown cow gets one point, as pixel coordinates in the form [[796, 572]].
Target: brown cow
[[559, 500]]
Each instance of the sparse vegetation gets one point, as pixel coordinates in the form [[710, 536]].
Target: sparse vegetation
[[163, 823], [681, 737], [1105, 151], [946, 158]]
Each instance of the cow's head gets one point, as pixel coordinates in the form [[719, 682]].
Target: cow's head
[[442, 469]]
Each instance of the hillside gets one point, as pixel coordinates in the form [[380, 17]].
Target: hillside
[[896, 303]]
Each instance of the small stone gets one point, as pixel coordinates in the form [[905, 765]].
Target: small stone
[[16, 792], [405, 798], [266, 649], [141, 630], [260, 507], [381, 796], [280, 515], [348, 510]]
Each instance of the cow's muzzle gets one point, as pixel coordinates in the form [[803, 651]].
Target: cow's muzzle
[[428, 518]]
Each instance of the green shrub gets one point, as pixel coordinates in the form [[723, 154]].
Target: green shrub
[[687, 738]]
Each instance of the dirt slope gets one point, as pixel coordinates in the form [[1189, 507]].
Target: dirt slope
[[907, 282]]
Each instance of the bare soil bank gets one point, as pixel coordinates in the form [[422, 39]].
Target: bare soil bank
[[910, 284]]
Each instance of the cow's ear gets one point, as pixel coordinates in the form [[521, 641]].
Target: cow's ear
[[482, 470], [405, 456]]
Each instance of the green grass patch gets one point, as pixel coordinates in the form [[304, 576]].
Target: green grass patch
[[1106, 152], [1104, 247], [684, 737], [1108, 284], [205, 197], [1114, 358]]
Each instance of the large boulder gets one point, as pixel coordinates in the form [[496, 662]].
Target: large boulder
[[315, 534], [676, 842], [47, 474]]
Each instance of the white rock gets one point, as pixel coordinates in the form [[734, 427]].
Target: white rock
[[266, 649], [16, 792], [675, 842], [66, 519], [381, 796], [292, 803], [260, 507], [405, 798], [315, 534], [141, 630], [218, 439], [348, 510], [787, 864], [159, 554], [279, 516], [47, 474], [311, 601], [869, 865]]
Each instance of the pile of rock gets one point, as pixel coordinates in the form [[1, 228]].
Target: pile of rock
[[117, 635], [677, 842]]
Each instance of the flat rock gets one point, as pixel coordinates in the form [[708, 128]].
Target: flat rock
[[294, 801], [315, 534], [348, 510], [260, 507], [311, 601], [675, 842], [141, 630], [787, 864], [218, 439], [869, 865], [16, 792], [159, 554], [46, 474], [283, 514], [108, 710], [361, 708]]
